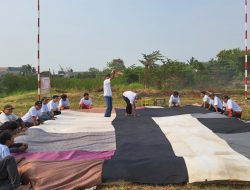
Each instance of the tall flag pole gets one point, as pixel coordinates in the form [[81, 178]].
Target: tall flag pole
[[246, 50], [38, 52]]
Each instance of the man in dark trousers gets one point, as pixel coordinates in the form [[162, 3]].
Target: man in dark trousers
[[130, 98]]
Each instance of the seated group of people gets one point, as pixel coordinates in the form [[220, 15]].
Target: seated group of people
[[225, 106], [213, 103]]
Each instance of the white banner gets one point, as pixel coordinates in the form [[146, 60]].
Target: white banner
[[45, 85]]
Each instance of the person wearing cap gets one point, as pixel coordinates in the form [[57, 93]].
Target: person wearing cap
[[85, 102], [130, 98], [64, 102], [8, 119], [215, 103], [33, 116], [205, 100], [232, 109], [174, 100], [46, 114], [53, 105]]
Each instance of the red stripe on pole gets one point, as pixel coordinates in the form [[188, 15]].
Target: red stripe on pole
[[246, 66]]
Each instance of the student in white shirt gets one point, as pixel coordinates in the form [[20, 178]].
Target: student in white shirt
[[232, 109], [33, 116], [53, 105], [130, 98], [85, 102], [174, 100], [64, 102], [108, 93], [205, 100], [46, 114], [9, 176], [215, 103], [10, 121]]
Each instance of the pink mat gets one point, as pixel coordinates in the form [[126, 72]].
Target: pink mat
[[74, 155]]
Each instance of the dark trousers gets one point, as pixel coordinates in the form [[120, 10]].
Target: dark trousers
[[108, 100], [129, 106], [57, 112], [213, 109], [9, 176]]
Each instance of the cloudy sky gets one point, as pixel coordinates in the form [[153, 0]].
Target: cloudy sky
[[89, 33]]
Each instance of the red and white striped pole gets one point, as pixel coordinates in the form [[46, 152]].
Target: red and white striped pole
[[38, 52], [246, 50]]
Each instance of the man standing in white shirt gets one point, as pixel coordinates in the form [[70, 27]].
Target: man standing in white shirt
[[232, 108], [9, 176], [205, 100], [215, 103], [130, 98], [108, 93], [33, 116], [174, 100]]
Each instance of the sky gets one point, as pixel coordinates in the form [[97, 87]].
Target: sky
[[89, 33]]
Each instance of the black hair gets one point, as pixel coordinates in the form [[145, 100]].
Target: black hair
[[176, 93], [63, 96], [4, 136], [55, 96], [225, 97], [108, 75], [203, 92], [10, 126], [85, 94]]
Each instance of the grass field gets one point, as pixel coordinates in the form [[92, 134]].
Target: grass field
[[23, 101]]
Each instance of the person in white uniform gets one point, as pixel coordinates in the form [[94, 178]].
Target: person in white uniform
[[33, 116], [232, 109], [215, 103], [64, 102], [205, 100], [130, 98], [53, 105], [174, 100], [107, 93]]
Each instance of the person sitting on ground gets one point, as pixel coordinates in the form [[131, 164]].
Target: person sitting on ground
[[7, 118], [205, 100], [53, 105], [232, 109], [215, 103], [85, 102], [9, 176], [174, 100], [64, 102], [46, 114], [130, 98], [33, 116]]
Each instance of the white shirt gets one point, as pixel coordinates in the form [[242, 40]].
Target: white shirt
[[206, 99], [52, 106], [130, 95], [233, 105], [86, 102], [33, 112], [4, 151], [63, 103], [107, 88], [44, 108], [216, 102], [175, 100], [4, 118]]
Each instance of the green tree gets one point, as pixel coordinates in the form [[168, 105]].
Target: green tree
[[149, 61], [27, 70], [116, 64]]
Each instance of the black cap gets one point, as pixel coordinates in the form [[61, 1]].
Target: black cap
[[38, 103]]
